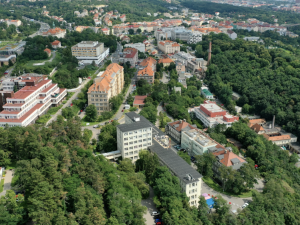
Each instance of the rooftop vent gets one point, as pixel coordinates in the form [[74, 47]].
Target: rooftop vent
[[137, 119]]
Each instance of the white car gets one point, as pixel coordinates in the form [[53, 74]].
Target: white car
[[155, 213], [245, 205]]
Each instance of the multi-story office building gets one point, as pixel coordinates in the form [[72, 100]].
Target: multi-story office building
[[168, 47], [211, 115], [183, 57], [190, 179], [89, 51], [139, 46], [106, 85], [196, 142], [133, 136], [36, 95], [183, 34]]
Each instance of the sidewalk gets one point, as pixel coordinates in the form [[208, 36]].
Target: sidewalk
[[7, 182]]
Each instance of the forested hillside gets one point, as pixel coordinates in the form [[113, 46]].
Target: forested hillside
[[63, 183], [268, 80]]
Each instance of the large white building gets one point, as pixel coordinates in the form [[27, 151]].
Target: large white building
[[36, 95], [211, 115], [133, 136], [139, 46], [89, 51], [183, 34], [183, 57], [196, 142]]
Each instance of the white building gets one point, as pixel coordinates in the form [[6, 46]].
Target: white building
[[133, 136], [36, 95], [89, 51], [196, 142], [139, 46], [206, 93], [183, 57], [17, 23], [211, 115]]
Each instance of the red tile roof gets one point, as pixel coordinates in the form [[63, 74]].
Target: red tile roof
[[166, 60], [182, 124], [130, 52], [139, 99], [56, 42], [228, 156]]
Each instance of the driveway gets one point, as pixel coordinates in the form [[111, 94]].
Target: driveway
[[96, 131], [7, 182], [68, 103], [236, 203], [150, 208], [50, 60], [164, 79]]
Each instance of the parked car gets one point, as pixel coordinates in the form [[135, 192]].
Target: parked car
[[95, 126], [122, 110], [245, 205], [154, 213], [6, 72]]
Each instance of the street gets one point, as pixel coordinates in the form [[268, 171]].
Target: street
[[68, 103], [7, 182], [150, 208]]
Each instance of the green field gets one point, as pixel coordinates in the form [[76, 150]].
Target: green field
[[3, 43]]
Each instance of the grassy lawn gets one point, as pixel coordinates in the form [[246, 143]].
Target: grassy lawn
[[217, 188], [3, 43], [84, 122], [1, 185], [54, 110], [56, 60]]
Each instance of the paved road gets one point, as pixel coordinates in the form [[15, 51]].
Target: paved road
[[7, 182], [49, 60], [68, 103], [120, 113], [164, 79], [236, 203], [150, 208], [96, 131]]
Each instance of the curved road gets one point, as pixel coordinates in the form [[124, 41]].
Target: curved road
[[150, 208]]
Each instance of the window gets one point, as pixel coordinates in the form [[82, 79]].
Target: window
[[135, 146], [140, 136], [149, 139], [144, 139], [144, 144], [140, 146], [125, 139], [126, 148], [135, 142], [125, 134], [130, 133], [130, 153], [126, 154], [126, 143], [131, 143], [135, 157], [135, 152], [130, 147]]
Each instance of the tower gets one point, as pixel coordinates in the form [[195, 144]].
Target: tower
[[209, 53]]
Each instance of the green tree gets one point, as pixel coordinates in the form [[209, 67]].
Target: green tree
[[126, 166], [91, 113]]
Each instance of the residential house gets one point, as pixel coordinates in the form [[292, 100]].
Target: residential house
[[231, 34], [126, 39], [48, 51], [130, 55], [56, 44], [206, 93], [123, 18], [139, 101], [56, 32], [174, 129], [180, 67], [165, 61]]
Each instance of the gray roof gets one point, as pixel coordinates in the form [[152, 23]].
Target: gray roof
[[133, 126], [173, 161], [235, 160]]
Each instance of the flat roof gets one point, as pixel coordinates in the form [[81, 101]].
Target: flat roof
[[133, 126], [211, 107], [172, 160], [206, 92]]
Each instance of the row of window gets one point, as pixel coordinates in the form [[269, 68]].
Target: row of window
[[140, 136], [138, 146], [135, 142], [101, 96], [193, 191], [137, 131], [100, 100]]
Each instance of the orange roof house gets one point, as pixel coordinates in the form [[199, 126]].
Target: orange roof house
[[139, 101], [48, 51], [228, 158]]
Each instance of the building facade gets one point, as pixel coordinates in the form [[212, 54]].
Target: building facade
[[174, 129], [206, 93], [106, 85], [147, 70], [183, 57], [56, 32], [139, 46], [89, 51], [196, 142], [196, 64], [133, 136], [211, 115], [130, 55], [35, 96], [168, 47]]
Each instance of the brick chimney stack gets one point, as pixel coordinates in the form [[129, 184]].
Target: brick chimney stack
[[209, 53]]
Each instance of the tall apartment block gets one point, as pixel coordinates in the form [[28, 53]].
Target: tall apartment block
[[35, 95], [106, 85], [89, 51]]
